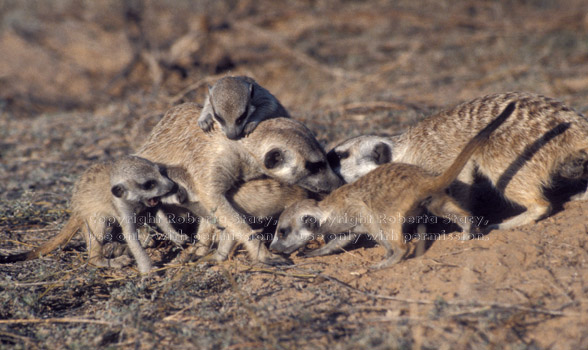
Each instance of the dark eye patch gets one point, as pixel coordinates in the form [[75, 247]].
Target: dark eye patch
[[315, 167], [334, 158], [283, 232], [219, 119], [149, 185], [241, 119]]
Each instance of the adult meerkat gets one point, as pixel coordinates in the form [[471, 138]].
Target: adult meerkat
[[375, 201], [280, 148], [359, 155], [542, 139], [109, 193], [237, 105]]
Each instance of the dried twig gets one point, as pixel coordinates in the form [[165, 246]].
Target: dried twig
[[56, 320]]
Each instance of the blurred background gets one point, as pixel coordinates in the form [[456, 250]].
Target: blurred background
[[327, 56]]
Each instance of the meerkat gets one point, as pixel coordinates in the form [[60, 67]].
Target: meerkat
[[359, 155], [258, 202], [279, 148], [108, 193], [543, 139], [374, 202], [237, 105]]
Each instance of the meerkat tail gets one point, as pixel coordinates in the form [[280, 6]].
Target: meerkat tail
[[445, 179], [66, 233]]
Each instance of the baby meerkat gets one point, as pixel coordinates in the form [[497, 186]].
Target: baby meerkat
[[134, 184], [237, 105], [542, 139], [373, 202], [258, 202], [279, 148]]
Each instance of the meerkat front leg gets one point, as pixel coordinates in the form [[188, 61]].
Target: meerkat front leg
[[163, 222], [129, 229]]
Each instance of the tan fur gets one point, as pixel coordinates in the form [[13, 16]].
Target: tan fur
[[258, 202], [105, 194], [542, 138], [280, 148], [376, 201]]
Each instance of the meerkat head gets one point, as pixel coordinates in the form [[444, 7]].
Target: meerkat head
[[230, 99], [288, 152], [360, 155], [298, 224], [180, 194], [138, 181]]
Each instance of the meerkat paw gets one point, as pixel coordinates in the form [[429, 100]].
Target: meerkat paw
[[386, 263], [218, 257], [117, 263], [249, 128], [121, 261], [314, 253], [466, 236], [178, 238], [195, 252], [390, 259], [276, 260], [206, 123]]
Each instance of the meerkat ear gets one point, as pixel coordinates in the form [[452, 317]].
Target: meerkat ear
[[310, 222], [382, 153], [251, 91], [209, 89], [182, 195], [273, 158], [118, 190]]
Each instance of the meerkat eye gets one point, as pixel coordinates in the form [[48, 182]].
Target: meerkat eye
[[241, 119], [149, 185], [342, 155], [315, 167], [219, 119], [283, 232]]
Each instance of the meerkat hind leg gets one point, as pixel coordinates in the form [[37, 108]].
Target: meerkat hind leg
[[576, 167], [395, 247], [446, 207], [537, 207]]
